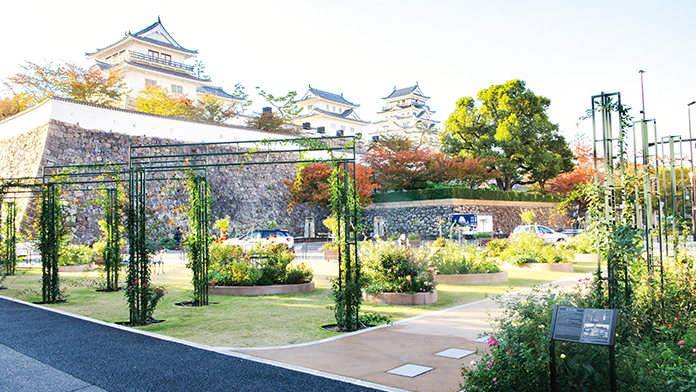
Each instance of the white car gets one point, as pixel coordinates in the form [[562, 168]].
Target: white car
[[262, 236], [544, 232]]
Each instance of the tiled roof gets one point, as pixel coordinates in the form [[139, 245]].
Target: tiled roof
[[139, 36], [343, 115], [404, 91], [216, 91], [330, 96], [166, 71]]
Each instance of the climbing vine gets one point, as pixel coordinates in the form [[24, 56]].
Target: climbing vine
[[197, 244], [347, 287]]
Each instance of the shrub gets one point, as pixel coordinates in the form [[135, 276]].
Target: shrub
[[98, 249], [585, 242], [153, 293], [299, 274], [392, 269], [75, 255], [527, 247], [453, 259]]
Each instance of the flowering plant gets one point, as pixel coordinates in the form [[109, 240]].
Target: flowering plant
[[392, 269]]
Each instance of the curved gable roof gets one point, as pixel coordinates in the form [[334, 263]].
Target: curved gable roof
[[146, 35], [415, 90], [328, 96]]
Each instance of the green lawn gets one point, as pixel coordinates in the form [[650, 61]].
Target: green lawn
[[273, 320]]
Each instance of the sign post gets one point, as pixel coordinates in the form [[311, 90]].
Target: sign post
[[587, 326]]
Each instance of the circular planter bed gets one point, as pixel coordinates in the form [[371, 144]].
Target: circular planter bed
[[497, 277], [76, 268], [552, 267], [262, 290], [586, 257], [402, 298]]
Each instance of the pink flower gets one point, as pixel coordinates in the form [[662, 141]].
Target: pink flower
[[680, 343], [495, 380]]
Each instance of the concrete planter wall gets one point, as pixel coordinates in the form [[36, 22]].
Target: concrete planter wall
[[498, 277], [586, 257], [402, 298], [262, 290], [76, 268]]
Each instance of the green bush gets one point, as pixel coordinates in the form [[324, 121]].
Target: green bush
[[391, 269], [527, 247], [299, 274], [452, 259], [585, 242], [461, 193], [75, 255], [655, 339]]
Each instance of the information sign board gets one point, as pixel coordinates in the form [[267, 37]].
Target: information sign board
[[469, 221], [590, 326]]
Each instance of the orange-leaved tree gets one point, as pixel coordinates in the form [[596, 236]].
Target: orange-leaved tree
[[312, 185]]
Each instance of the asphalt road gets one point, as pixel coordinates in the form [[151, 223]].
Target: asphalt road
[[41, 350]]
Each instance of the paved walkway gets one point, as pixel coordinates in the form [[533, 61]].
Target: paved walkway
[[46, 350]]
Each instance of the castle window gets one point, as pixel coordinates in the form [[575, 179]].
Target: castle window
[[333, 126], [167, 58], [153, 55], [352, 129], [176, 89], [150, 82], [343, 127], [309, 107]]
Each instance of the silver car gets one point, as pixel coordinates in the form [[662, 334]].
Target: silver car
[[544, 232]]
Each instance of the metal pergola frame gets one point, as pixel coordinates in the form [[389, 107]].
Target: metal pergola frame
[[197, 158]]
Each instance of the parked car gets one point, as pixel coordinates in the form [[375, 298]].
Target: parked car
[[261, 236], [544, 232]]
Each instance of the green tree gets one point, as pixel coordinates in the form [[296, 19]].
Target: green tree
[[38, 82], [240, 93], [278, 121], [212, 109], [510, 130]]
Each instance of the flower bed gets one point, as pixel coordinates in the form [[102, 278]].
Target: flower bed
[[262, 290], [402, 298], [498, 277], [266, 265], [391, 269], [76, 268]]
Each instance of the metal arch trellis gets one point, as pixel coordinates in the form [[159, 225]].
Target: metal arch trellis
[[636, 210], [196, 158]]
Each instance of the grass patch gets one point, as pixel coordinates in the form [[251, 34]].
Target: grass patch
[[273, 320]]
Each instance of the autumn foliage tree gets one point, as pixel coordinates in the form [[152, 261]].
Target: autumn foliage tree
[[583, 172], [312, 185], [399, 165], [37, 82]]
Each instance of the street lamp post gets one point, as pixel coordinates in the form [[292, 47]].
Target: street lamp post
[[691, 176]]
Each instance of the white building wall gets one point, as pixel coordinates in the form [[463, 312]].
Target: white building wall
[[127, 122]]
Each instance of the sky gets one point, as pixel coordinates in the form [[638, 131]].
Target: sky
[[567, 51]]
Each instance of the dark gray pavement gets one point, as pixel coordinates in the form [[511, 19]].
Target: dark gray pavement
[[41, 350]]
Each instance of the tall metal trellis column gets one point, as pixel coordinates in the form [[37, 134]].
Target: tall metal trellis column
[[200, 260], [112, 256], [10, 238], [49, 244], [138, 279]]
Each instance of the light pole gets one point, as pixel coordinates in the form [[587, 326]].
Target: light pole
[[691, 176]]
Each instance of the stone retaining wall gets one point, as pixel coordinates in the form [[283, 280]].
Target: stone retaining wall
[[250, 195], [428, 217]]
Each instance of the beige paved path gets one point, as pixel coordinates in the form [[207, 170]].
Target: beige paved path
[[373, 352]]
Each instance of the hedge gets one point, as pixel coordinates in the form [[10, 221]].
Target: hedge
[[462, 193]]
